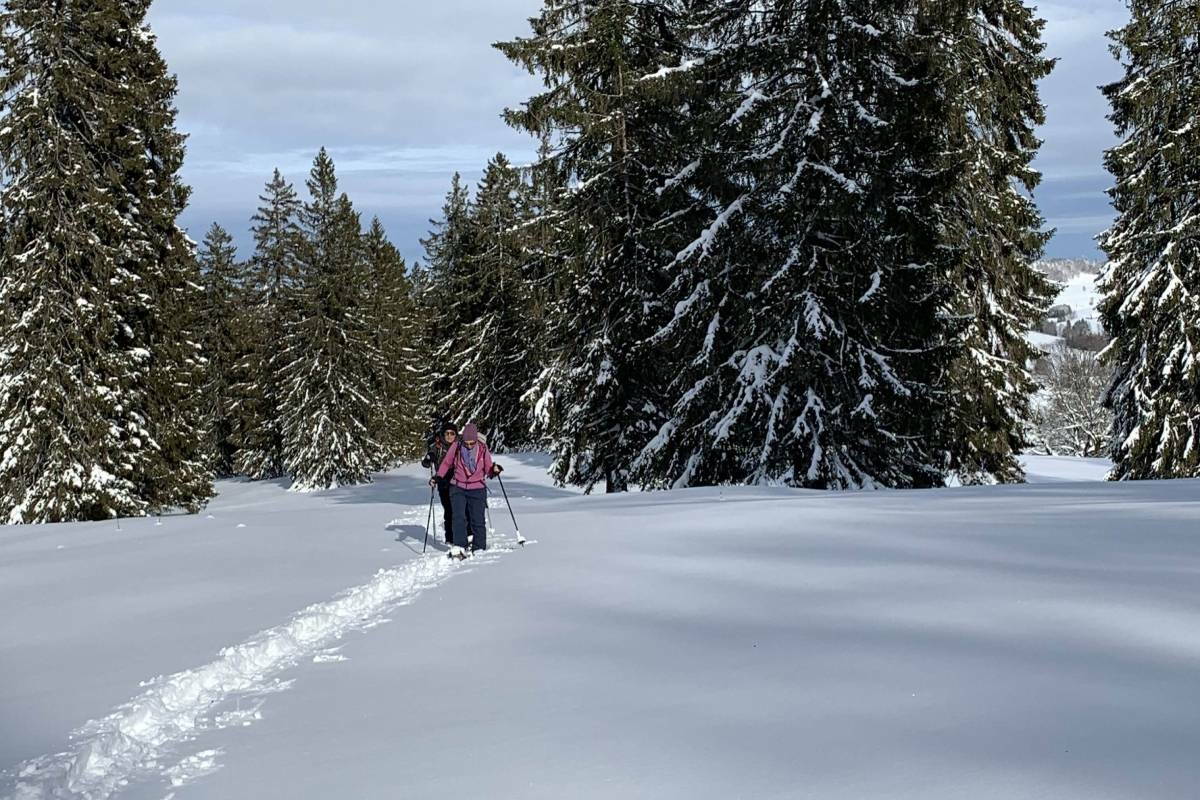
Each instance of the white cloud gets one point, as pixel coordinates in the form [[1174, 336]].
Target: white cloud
[[1093, 224], [353, 158], [405, 93], [1080, 22]]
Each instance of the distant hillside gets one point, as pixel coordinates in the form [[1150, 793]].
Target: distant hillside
[[1073, 317], [1064, 269]]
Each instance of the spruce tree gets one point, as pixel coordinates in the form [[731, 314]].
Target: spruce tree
[[99, 360], [222, 344], [986, 58], [396, 422], [330, 358], [545, 239], [610, 133], [448, 249], [496, 363], [807, 324], [271, 296], [1151, 287]]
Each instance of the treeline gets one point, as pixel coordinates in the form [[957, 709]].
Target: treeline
[[795, 243], [771, 243], [779, 242], [136, 367], [310, 345]]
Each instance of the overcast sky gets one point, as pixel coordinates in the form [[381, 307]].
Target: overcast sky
[[405, 93]]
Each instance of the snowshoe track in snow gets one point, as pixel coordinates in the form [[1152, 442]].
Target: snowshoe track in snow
[[111, 753]]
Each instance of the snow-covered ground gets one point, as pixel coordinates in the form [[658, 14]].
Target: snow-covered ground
[[1082, 295], [1079, 291], [1065, 469], [1043, 341], [1002, 642]]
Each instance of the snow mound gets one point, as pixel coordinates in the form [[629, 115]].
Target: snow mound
[[1065, 469]]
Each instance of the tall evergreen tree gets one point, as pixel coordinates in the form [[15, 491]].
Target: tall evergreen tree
[[177, 476], [986, 58], [610, 134], [223, 329], [396, 422], [271, 304], [807, 320], [330, 356], [496, 365], [99, 367], [448, 250], [546, 238], [1151, 287], [545, 241]]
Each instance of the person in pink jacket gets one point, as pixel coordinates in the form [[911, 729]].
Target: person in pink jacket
[[469, 464]]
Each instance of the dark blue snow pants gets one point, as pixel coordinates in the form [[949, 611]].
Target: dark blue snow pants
[[443, 489], [469, 505]]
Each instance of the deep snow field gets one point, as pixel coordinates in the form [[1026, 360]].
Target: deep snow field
[[1037, 641]]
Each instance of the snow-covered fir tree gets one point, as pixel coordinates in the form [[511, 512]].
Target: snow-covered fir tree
[[545, 239], [1151, 286], [986, 58], [330, 358], [807, 330], [271, 298], [448, 249], [178, 475], [610, 133], [496, 363], [223, 332], [396, 420], [100, 367]]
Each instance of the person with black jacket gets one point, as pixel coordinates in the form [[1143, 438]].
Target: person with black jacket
[[446, 436]]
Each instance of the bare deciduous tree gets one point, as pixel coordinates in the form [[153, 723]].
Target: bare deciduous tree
[[1071, 418]]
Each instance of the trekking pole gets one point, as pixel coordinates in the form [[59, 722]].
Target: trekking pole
[[429, 519], [520, 538]]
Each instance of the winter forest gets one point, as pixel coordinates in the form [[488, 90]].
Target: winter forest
[[763, 243]]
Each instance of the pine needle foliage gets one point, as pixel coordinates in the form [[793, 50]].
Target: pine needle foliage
[[1151, 286], [100, 365], [221, 278], [610, 134], [271, 297], [330, 358]]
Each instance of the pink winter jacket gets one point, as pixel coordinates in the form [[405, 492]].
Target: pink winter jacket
[[462, 479]]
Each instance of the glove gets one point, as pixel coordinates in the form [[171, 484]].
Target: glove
[[432, 482], [496, 470], [426, 462]]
